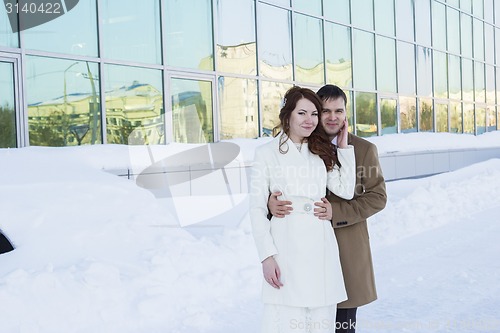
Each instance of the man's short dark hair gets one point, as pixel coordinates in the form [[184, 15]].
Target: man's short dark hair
[[331, 91]]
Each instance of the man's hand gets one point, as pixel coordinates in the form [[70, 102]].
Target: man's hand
[[278, 208], [272, 272], [324, 212]]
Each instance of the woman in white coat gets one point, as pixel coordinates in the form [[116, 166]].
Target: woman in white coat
[[302, 275]]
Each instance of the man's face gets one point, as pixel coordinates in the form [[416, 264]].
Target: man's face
[[333, 116]]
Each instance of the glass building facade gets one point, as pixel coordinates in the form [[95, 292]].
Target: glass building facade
[[196, 71]]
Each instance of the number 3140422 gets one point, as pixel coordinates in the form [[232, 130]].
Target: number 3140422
[[34, 8]]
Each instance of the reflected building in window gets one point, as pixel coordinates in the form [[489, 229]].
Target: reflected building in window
[[197, 71]]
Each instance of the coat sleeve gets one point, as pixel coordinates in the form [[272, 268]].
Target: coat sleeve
[[370, 196], [342, 181], [259, 194]]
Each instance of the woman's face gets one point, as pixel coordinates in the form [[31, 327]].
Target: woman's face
[[303, 120]]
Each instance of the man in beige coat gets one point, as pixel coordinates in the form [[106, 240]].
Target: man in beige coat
[[349, 216]]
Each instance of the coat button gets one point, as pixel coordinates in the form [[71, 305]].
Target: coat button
[[307, 207]]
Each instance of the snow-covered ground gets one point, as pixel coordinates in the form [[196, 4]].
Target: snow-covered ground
[[96, 253]]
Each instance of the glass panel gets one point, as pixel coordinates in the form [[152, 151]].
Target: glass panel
[[388, 115], [366, 114], [408, 114], [271, 96], [480, 120], [132, 32], [238, 108], [236, 45], [363, 17], [466, 5], [423, 22], [497, 78], [364, 60], [453, 31], [425, 115], [275, 50], [285, 3], [404, 19], [489, 44], [491, 119], [454, 77], [477, 8], [438, 26], [497, 13], [466, 33], [74, 32], [453, 3], [480, 92], [386, 64], [497, 43], [134, 105], [308, 45], [384, 17], [467, 80], [488, 11], [478, 39], [490, 85], [455, 117], [308, 6], [7, 36], [192, 111], [469, 118], [7, 107], [63, 102], [338, 55], [337, 10], [189, 24], [440, 75], [441, 117], [406, 68], [424, 71]]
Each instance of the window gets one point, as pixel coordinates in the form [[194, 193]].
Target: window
[[338, 55]]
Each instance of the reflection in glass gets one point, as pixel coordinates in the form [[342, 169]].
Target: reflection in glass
[[491, 118], [285, 3], [408, 114], [456, 117], [466, 33], [386, 64], [192, 111], [238, 108], [477, 8], [489, 44], [271, 96], [337, 10], [423, 22], [490, 85], [388, 115], [366, 114], [478, 39], [438, 26], [188, 34], [134, 105], [308, 45], [488, 11], [73, 33], [497, 43], [468, 118], [364, 60], [275, 49], [467, 80], [497, 79], [480, 91], [404, 20], [63, 102], [440, 75], [454, 3], [425, 115], [308, 6], [497, 14], [424, 71], [441, 117], [364, 14], [338, 55], [406, 68], [236, 47], [7, 37], [132, 32], [7, 108], [453, 31], [480, 120], [466, 5], [384, 17], [454, 77]]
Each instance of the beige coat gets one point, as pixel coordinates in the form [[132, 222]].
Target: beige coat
[[349, 222]]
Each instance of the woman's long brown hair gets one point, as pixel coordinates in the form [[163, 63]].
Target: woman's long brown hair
[[318, 141]]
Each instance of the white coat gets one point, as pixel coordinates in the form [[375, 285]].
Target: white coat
[[304, 246]]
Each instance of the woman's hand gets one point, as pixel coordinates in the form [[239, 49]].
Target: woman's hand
[[272, 273], [324, 212], [342, 136]]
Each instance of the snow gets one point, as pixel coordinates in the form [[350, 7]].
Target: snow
[[96, 253]]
